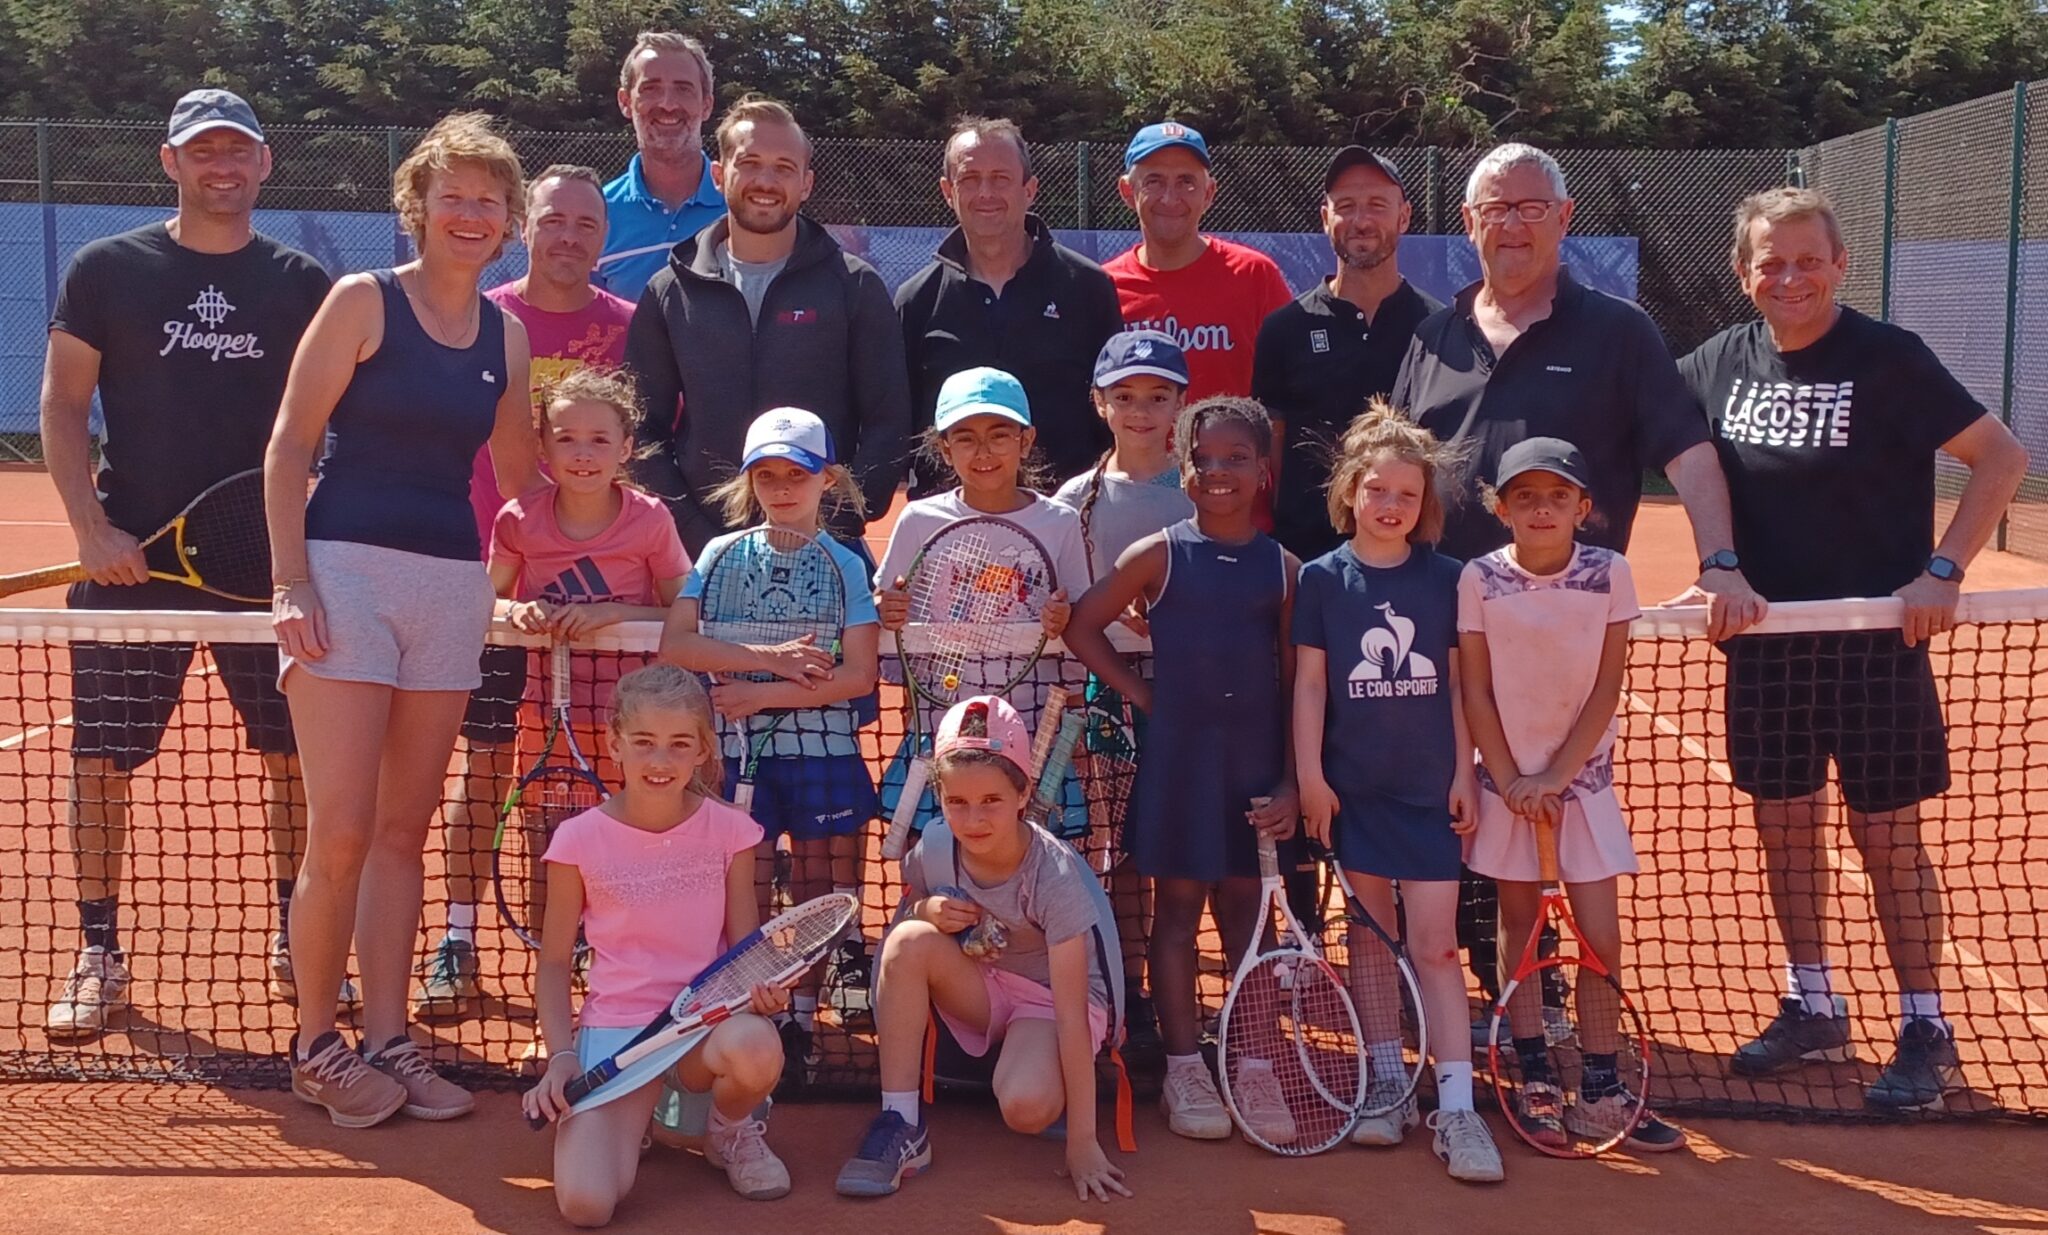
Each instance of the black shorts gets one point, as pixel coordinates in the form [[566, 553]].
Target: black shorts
[[1861, 697], [123, 694], [492, 718]]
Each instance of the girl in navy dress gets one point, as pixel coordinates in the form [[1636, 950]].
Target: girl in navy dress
[[1384, 759], [1215, 770]]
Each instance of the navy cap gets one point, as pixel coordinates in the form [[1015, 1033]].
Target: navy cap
[[205, 109], [1358, 156], [1154, 138], [1135, 353], [1541, 454]]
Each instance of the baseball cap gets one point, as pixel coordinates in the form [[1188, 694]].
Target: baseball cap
[[1154, 138], [208, 108], [1002, 730], [1358, 156], [1133, 353], [1542, 454], [981, 392], [788, 433]]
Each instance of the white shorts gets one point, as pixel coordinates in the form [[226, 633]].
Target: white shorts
[[404, 620], [691, 1114]]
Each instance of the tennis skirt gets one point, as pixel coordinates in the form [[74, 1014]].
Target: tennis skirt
[[1592, 842], [398, 619]]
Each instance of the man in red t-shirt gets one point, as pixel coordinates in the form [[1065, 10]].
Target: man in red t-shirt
[[569, 324], [1210, 295]]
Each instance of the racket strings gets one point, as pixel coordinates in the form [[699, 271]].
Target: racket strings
[[1290, 1051], [788, 945], [226, 539], [1573, 1029], [967, 586]]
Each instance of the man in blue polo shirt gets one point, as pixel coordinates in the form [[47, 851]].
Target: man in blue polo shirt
[[665, 195]]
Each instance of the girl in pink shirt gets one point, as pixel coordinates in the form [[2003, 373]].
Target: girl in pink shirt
[[659, 880]]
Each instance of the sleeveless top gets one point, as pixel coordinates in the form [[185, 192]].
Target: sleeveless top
[[1216, 628], [404, 436]]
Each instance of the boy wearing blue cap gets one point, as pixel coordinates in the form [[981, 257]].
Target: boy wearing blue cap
[[1206, 293]]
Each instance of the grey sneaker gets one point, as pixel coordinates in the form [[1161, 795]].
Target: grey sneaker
[[355, 1094], [740, 1149], [1793, 1037], [1921, 1073], [450, 982], [1259, 1103], [891, 1152], [1598, 1119], [1465, 1147], [1193, 1107], [1389, 1126], [428, 1094], [96, 988]]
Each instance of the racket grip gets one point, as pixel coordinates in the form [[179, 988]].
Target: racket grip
[[896, 842], [743, 796], [48, 576], [536, 1122], [1546, 852]]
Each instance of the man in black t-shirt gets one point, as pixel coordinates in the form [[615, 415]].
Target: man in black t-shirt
[[1827, 424], [1322, 356], [186, 329]]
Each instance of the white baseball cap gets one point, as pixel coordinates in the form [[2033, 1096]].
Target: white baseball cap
[[789, 433]]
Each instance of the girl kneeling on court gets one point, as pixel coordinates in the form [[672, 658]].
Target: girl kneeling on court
[[661, 879], [1008, 935]]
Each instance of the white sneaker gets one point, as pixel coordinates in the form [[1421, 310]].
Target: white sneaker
[[96, 988], [1388, 1127], [1193, 1107], [1261, 1104], [741, 1150], [285, 989], [1465, 1146]]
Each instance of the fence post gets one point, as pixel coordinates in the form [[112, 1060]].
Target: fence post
[[394, 154], [2015, 203], [46, 193], [1891, 185], [1433, 173], [1795, 171], [1084, 188]]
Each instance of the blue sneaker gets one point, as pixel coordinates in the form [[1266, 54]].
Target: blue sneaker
[[891, 1151]]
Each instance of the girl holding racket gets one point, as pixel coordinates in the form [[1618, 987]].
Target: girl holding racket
[[1385, 765], [660, 878], [1215, 771], [780, 616], [1005, 932], [1543, 641]]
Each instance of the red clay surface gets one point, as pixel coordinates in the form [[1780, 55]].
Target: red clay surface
[[191, 1157]]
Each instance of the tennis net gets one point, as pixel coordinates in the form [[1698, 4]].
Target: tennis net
[[208, 829]]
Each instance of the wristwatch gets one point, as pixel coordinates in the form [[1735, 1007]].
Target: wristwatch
[[1944, 569], [1720, 559]]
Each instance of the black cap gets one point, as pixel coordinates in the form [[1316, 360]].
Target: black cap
[[206, 109], [1358, 156], [1541, 454]]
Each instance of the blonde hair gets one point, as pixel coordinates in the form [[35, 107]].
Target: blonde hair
[[736, 501], [664, 686], [613, 388], [1374, 434], [1782, 205], [460, 137], [756, 109], [664, 40]]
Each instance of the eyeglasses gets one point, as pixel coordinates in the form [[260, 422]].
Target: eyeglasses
[[1528, 210], [995, 441]]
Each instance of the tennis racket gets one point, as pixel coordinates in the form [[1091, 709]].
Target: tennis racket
[[1566, 1098], [777, 954], [969, 580], [768, 587], [551, 791], [1060, 728], [1288, 1044], [219, 543], [1388, 997]]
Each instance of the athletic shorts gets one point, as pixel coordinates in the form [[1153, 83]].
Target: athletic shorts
[[1013, 997], [809, 797], [405, 620], [1862, 698], [492, 718], [123, 694]]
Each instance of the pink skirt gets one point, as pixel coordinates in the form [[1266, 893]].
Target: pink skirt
[[1592, 842]]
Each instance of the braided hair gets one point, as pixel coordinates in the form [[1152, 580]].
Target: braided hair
[[1222, 410]]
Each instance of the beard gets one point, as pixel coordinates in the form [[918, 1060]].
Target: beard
[[761, 220], [1367, 259], [668, 145]]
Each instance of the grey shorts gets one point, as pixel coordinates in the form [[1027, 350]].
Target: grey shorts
[[398, 619]]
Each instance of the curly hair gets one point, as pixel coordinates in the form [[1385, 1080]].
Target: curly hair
[[458, 138], [1377, 433], [613, 388]]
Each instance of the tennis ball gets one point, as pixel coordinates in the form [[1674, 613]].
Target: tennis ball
[[952, 681]]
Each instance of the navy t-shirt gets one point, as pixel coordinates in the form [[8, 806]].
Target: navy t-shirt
[[1388, 633]]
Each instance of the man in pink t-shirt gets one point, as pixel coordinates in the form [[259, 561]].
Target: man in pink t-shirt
[[569, 323], [1209, 294]]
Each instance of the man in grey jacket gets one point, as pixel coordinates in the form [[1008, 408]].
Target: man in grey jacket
[[763, 309]]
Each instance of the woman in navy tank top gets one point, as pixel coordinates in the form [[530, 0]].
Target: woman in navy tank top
[[382, 603]]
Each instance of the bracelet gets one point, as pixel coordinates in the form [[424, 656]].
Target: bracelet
[[284, 588]]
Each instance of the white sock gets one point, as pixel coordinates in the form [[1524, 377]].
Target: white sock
[[1812, 986], [1384, 1059], [904, 1103], [1185, 1063], [461, 922], [1454, 1086], [1920, 1006], [805, 1008]]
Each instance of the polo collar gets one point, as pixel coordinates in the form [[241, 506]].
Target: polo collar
[[707, 193], [1569, 293], [953, 249]]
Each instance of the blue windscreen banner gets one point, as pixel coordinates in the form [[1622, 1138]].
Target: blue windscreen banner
[[33, 256]]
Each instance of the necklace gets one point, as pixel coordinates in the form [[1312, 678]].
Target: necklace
[[449, 337]]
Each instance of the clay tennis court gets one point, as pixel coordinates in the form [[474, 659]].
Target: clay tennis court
[[201, 1156]]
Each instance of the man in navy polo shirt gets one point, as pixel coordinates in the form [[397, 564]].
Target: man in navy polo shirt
[[666, 194]]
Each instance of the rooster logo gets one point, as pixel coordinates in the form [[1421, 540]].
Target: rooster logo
[[1385, 651]]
